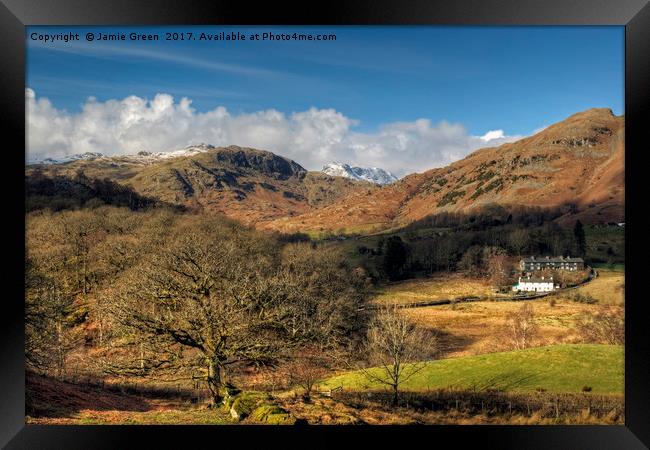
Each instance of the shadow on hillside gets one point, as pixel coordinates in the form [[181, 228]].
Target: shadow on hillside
[[47, 397], [450, 343], [60, 192], [491, 402], [505, 381]]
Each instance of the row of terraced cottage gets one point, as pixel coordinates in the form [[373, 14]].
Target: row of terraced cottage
[[529, 283]]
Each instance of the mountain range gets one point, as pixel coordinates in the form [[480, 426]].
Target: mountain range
[[371, 174], [337, 169], [578, 161]]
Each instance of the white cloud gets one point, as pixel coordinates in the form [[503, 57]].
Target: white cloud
[[311, 138], [492, 134]]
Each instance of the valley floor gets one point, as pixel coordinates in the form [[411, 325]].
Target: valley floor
[[474, 328], [477, 378]]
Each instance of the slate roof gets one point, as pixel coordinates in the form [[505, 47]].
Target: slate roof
[[555, 259]]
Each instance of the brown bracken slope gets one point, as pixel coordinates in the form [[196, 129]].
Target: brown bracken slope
[[252, 186], [577, 161]]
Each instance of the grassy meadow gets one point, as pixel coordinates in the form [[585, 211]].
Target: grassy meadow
[[558, 368], [608, 288], [442, 287]]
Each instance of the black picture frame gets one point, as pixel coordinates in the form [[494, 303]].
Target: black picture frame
[[633, 14]]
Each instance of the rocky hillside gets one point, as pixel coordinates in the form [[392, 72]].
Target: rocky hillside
[[578, 161], [249, 185]]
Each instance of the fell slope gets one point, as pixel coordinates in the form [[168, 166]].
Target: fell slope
[[249, 185], [578, 161]]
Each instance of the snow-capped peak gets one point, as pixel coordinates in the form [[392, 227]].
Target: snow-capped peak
[[187, 151], [89, 156], [371, 174], [142, 156]]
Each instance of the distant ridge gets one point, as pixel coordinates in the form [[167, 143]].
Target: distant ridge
[[371, 174], [140, 156], [249, 185]]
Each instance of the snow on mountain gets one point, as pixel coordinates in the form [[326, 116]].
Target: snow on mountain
[[138, 157], [68, 158], [371, 174], [187, 151]]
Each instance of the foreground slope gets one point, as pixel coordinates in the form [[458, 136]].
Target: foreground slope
[[558, 368]]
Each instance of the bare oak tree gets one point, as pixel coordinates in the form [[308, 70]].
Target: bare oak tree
[[216, 295], [209, 291]]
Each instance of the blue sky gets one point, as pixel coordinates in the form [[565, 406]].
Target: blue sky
[[514, 79]]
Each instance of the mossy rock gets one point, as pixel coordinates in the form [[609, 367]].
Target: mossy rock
[[244, 404], [273, 415]]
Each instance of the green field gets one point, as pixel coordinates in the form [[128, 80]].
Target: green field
[[557, 368]]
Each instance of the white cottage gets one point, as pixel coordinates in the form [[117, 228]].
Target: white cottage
[[530, 284]]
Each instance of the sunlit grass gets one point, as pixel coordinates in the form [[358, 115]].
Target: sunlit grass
[[558, 368]]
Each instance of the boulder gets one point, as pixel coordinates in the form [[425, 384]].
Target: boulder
[[245, 403], [273, 415]]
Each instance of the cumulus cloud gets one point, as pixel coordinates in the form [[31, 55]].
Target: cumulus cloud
[[312, 138]]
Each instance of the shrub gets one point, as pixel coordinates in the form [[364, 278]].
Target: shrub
[[604, 327], [450, 197], [584, 298]]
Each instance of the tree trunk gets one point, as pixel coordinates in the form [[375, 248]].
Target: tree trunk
[[214, 379], [395, 394]]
